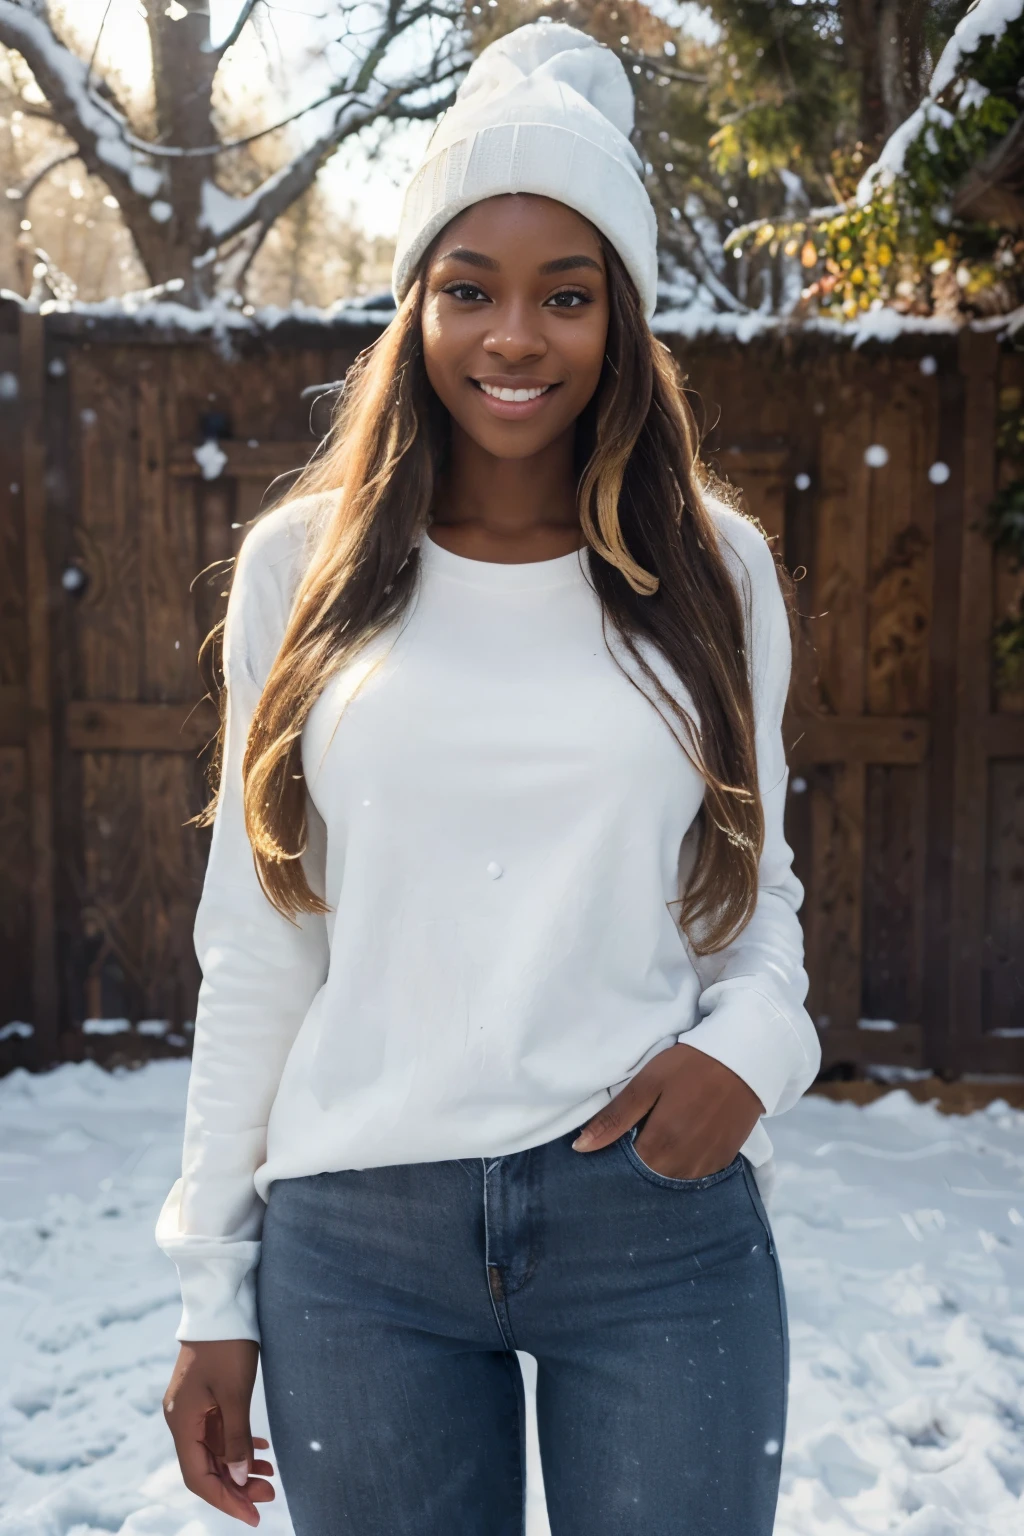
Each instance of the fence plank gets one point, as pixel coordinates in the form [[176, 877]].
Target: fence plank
[[45, 997], [944, 643], [131, 727], [978, 361], [836, 879]]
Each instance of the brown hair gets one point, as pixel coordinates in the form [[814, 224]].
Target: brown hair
[[660, 577]]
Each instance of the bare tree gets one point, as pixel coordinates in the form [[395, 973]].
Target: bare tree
[[188, 228]]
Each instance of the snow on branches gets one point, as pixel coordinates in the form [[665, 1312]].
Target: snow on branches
[[378, 61]]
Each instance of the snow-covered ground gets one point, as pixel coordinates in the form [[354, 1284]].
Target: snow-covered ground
[[902, 1238]]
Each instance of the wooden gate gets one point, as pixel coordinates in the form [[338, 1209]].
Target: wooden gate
[[907, 789], [874, 470]]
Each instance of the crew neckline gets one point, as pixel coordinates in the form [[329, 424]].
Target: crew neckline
[[563, 570]]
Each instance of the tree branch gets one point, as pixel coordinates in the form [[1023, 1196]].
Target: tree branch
[[96, 44], [18, 194], [663, 67], [236, 31], [97, 128], [282, 188]]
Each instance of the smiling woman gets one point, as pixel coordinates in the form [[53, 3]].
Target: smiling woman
[[498, 878], [515, 322]]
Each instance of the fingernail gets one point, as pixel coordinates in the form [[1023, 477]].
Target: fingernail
[[582, 1142], [239, 1472]]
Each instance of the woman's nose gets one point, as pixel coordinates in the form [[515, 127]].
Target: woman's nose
[[515, 335]]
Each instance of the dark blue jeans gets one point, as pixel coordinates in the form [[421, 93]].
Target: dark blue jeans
[[392, 1301]]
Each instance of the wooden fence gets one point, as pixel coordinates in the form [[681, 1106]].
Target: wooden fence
[[907, 789]]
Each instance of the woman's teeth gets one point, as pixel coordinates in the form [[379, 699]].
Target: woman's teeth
[[514, 394]]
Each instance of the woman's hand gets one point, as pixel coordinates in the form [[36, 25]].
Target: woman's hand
[[699, 1114], [206, 1407]]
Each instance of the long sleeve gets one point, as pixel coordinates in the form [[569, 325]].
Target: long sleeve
[[260, 974], [751, 1006]]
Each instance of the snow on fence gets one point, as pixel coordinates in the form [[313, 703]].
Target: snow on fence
[[133, 454]]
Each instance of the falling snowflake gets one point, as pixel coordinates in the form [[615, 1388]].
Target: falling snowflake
[[928, 364], [802, 481], [938, 473], [876, 456], [211, 458]]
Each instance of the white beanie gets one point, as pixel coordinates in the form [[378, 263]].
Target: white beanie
[[547, 110]]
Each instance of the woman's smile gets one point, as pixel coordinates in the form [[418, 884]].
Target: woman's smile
[[512, 398]]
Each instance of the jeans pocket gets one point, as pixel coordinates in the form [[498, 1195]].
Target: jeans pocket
[[636, 1162]]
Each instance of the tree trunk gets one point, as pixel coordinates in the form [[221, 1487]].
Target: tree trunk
[[896, 103], [183, 76], [884, 40]]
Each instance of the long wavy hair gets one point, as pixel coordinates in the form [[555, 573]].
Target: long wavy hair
[[659, 574]]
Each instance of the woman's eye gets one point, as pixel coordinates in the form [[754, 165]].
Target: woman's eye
[[568, 298], [466, 292]]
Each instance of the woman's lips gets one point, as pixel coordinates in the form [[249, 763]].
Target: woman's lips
[[532, 395]]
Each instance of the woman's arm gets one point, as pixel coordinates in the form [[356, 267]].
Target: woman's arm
[[260, 974]]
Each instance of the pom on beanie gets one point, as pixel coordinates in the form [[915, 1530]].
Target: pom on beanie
[[546, 110]]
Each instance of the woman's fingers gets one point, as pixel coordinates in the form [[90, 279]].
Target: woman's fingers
[[202, 1476], [207, 1411], [623, 1112]]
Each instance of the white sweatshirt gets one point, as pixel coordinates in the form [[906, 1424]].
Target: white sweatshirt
[[498, 822]]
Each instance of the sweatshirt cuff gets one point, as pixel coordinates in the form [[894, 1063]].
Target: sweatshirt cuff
[[217, 1277], [218, 1296], [746, 1032]]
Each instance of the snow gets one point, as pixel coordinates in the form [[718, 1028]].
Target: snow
[[221, 313], [211, 458], [220, 212], [881, 324], [890, 162], [986, 18], [974, 93], [901, 1235]]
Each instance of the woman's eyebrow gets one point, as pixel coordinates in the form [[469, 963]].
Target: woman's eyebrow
[[471, 258], [568, 263]]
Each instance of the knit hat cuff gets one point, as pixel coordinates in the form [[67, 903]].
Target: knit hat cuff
[[543, 159]]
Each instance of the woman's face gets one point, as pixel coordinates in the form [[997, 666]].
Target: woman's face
[[515, 321]]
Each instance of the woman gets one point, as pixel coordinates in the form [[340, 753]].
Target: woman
[[498, 877]]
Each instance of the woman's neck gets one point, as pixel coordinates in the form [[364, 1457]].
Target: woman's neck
[[508, 511]]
